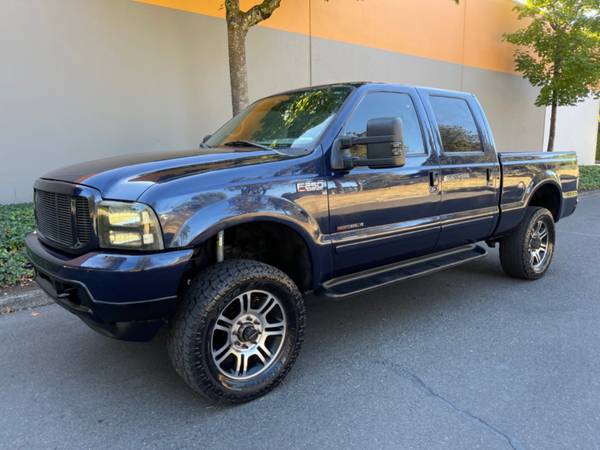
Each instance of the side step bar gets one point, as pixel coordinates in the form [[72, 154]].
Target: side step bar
[[384, 276]]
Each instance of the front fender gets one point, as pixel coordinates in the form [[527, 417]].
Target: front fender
[[206, 222]]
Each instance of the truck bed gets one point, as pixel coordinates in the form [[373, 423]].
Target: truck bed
[[524, 172]]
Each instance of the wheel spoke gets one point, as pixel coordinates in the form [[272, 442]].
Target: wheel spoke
[[238, 363], [227, 320], [267, 306], [263, 348], [221, 350], [274, 333], [260, 356], [538, 228], [224, 328], [224, 356], [241, 365], [244, 303], [268, 326]]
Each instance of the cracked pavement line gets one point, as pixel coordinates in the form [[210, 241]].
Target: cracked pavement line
[[423, 387]]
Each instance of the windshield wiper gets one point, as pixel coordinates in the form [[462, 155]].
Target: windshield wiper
[[247, 144], [289, 151]]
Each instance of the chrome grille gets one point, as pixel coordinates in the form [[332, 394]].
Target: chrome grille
[[82, 220], [63, 219]]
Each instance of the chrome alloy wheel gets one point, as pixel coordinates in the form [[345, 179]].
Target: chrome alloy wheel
[[248, 335], [539, 246]]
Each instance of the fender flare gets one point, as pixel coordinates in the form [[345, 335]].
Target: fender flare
[[552, 181], [206, 222]]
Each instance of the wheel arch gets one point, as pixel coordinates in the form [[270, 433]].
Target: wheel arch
[[272, 239], [547, 195]]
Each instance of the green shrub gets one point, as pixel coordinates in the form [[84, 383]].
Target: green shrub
[[16, 221], [589, 177]]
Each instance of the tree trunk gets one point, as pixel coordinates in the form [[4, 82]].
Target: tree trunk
[[238, 74], [552, 121]]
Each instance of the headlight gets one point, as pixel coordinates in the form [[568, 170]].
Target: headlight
[[131, 226]]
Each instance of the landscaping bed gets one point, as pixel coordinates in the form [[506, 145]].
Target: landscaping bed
[[16, 221], [589, 177]]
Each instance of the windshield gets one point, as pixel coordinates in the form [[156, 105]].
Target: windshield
[[287, 121]]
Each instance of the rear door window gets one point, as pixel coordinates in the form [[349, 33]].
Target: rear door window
[[456, 124]]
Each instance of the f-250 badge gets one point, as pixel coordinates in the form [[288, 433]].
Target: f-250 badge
[[311, 186]]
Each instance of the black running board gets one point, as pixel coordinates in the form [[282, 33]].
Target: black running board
[[384, 276]]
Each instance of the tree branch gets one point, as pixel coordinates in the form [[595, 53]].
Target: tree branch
[[232, 9], [260, 12]]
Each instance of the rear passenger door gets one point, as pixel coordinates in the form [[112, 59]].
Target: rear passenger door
[[470, 172]]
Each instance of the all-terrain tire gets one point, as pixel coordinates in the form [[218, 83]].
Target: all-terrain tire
[[191, 331], [515, 249]]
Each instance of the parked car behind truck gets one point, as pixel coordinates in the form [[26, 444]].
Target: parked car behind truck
[[336, 190]]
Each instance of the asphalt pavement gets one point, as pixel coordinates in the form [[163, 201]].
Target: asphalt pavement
[[466, 358]]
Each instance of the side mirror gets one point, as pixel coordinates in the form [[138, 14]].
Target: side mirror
[[387, 148], [384, 142]]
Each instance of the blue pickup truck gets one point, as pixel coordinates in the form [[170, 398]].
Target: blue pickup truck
[[334, 190]]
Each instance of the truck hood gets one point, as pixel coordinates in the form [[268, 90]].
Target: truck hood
[[127, 177]]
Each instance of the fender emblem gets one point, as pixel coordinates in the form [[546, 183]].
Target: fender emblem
[[350, 226], [311, 186]]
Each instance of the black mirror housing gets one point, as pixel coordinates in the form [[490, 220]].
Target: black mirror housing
[[384, 142], [389, 151]]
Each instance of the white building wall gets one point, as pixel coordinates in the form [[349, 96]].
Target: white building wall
[[576, 130]]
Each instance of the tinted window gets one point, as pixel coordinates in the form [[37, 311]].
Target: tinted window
[[386, 104], [456, 124]]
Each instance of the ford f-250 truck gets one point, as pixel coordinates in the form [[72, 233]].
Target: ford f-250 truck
[[335, 190]]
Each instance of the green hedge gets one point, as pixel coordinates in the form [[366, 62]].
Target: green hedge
[[589, 177], [16, 221]]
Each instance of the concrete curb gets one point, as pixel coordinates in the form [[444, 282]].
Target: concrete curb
[[19, 301]]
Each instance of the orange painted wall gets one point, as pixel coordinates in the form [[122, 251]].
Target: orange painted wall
[[469, 33]]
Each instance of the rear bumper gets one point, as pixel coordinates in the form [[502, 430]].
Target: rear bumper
[[125, 296]]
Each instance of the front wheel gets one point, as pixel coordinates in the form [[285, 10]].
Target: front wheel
[[528, 251], [237, 331]]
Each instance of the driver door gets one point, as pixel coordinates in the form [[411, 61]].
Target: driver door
[[383, 215]]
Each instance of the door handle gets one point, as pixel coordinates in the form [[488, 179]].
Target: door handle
[[488, 177], [434, 181]]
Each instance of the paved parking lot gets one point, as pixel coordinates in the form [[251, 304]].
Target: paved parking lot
[[467, 358]]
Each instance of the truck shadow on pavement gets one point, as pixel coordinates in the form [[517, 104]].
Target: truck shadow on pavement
[[391, 316]]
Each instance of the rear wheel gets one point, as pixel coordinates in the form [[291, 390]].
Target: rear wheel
[[237, 331], [527, 252]]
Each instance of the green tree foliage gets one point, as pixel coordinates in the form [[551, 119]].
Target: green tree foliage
[[559, 51]]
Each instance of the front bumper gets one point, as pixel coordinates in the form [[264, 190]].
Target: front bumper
[[125, 296]]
